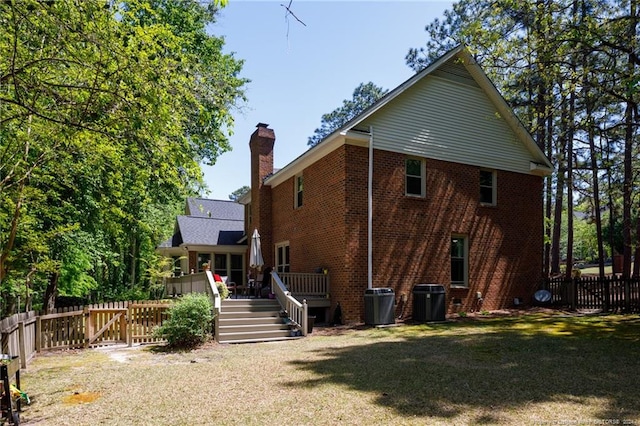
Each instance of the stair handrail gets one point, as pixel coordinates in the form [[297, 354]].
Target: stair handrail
[[297, 311], [212, 289]]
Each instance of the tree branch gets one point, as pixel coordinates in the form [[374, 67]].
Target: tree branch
[[289, 12]]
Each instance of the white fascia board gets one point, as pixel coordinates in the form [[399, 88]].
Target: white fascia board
[[245, 199], [333, 142], [305, 160], [540, 169]]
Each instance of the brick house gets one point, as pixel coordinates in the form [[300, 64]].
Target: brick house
[[438, 182]]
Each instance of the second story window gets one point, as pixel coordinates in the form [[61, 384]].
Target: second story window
[[488, 187], [299, 190], [414, 177]]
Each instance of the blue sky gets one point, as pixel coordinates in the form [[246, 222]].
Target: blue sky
[[298, 73]]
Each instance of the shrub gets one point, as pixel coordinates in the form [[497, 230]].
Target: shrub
[[189, 321], [222, 289]]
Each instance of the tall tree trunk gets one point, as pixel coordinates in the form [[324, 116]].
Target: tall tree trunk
[[612, 220], [28, 286], [15, 221], [595, 183], [557, 218], [549, 199], [569, 128], [628, 146], [133, 259], [561, 183], [569, 125], [589, 99], [49, 302], [636, 263], [13, 231]]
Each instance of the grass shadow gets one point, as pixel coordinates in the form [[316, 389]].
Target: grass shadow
[[500, 363]]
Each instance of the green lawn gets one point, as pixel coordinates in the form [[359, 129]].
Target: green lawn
[[595, 270], [533, 369]]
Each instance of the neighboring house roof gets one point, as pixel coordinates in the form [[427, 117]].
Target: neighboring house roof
[[208, 223], [449, 111], [210, 232], [216, 209]]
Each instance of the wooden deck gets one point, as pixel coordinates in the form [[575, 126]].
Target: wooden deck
[[312, 287]]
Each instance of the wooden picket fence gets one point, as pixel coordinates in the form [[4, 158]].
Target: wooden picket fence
[[18, 336], [96, 325], [100, 325], [607, 294]]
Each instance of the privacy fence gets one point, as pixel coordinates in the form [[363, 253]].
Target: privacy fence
[[608, 294], [81, 327]]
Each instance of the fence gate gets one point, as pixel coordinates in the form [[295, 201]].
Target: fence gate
[[107, 324], [143, 318]]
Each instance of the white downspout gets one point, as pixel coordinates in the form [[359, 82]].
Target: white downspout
[[370, 213]]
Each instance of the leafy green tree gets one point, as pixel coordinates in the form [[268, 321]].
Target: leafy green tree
[[365, 95], [106, 112], [239, 193]]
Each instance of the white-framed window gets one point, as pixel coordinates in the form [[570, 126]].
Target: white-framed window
[[459, 261], [230, 265], [236, 268], [220, 265], [415, 171], [282, 257], [176, 265], [202, 259], [299, 184], [488, 187]]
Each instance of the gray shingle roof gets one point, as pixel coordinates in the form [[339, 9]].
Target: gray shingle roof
[[213, 232], [208, 222], [174, 241], [216, 209]]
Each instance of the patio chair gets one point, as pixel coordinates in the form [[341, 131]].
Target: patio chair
[[231, 286]]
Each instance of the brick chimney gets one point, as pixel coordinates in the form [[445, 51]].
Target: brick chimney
[[261, 146]]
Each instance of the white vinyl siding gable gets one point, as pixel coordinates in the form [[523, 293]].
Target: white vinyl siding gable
[[449, 119]]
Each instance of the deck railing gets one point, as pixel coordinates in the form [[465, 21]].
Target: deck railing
[[310, 285], [298, 312], [202, 282]]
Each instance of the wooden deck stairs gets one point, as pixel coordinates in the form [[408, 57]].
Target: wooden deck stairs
[[251, 321]]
